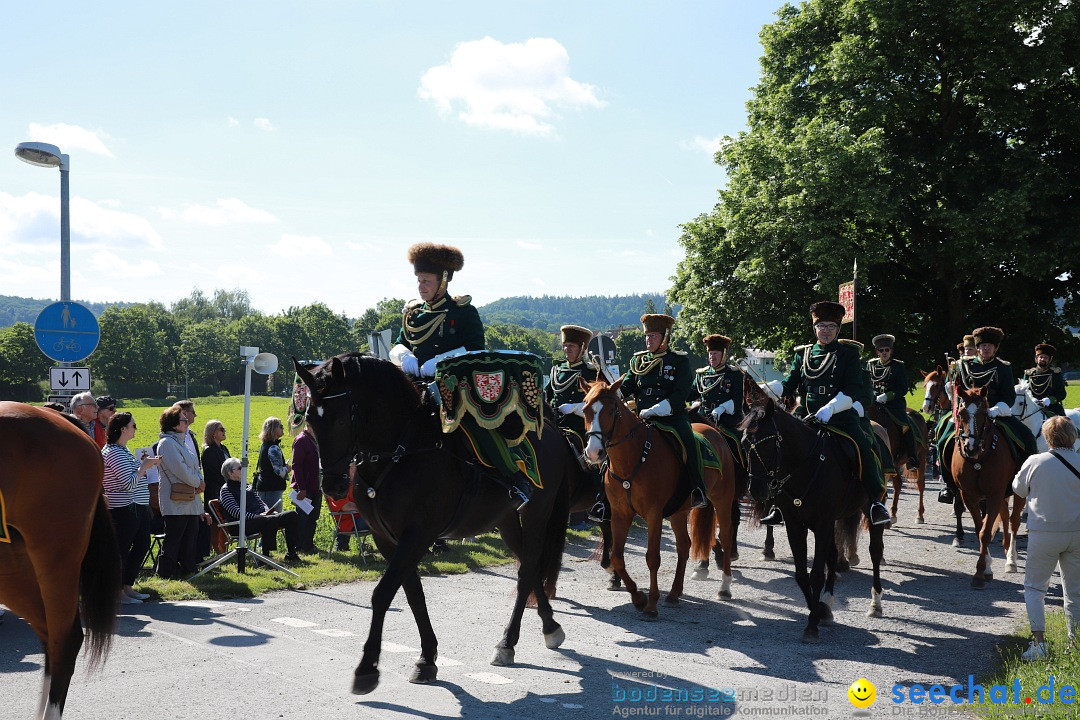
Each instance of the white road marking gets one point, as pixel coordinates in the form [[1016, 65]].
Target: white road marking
[[294, 622], [573, 706], [489, 678], [210, 605], [331, 632], [395, 648], [448, 662]]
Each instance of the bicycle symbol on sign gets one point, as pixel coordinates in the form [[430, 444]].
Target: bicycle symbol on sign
[[65, 344]]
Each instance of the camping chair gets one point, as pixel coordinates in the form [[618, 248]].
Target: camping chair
[[360, 531], [231, 528]]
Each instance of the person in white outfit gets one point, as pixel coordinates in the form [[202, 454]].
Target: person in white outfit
[[1051, 483]]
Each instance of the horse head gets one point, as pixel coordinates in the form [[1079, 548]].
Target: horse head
[[358, 404], [973, 426], [605, 413], [935, 397], [761, 441]]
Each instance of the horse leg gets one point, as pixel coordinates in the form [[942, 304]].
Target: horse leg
[[877, 550], [554, 635], [655, 524], [826, 602], [920, 483], [682, 550], [1014, 526], [897, 483], [620, 526], [614, 581], [425, 670], [958, 511], [1008, 537], [718, 549], [728, 527], [983, 528], [767, 552], [797, 541]]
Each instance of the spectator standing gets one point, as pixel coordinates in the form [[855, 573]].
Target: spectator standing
[[190, 441], [106, 410], [272, 468], [260, 518], [1051, 483], [84, 408], [305, 481], [128, 499], [214, 453], [179, 484]]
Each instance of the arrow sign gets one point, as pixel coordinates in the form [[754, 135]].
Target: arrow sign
[[69, 378]]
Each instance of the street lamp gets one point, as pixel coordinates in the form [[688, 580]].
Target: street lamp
[[46, 155]]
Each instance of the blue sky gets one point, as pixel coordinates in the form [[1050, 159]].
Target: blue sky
[[296, 149]]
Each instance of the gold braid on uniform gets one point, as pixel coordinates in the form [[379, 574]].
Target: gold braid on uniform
[[878, 371], [559, 387], [704, 388], [428, 329], [1037, 388], [646, 369], [812, 372], [969, 376]]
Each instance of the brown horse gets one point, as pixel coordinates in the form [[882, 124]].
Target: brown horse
[[983, 467], [879, 415], [645, 477], [58, 546]]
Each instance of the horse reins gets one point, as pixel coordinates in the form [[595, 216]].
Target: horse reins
[[626, 482]]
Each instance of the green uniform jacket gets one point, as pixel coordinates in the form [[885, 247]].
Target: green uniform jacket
[[890, 378], [714, 388], [446, 324], [996, 376], [1047, 384], [564, 388], [665, 376]]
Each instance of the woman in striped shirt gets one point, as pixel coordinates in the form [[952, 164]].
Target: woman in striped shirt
[[128, 501]]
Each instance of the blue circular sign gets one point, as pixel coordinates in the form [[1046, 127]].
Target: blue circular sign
[[67, 332]]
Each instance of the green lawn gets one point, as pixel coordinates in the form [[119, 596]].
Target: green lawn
[[1072, 396]]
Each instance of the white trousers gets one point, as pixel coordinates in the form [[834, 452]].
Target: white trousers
[[1047, 550]]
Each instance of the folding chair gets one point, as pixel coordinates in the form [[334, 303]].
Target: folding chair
[[360, 531], [232, 528]]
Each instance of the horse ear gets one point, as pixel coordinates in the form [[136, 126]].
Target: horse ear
[[302, 372], [584, 384], [617, 384], [337, 370], [924, 374], [940, 369]]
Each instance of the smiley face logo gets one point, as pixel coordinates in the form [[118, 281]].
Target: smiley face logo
[[862, 693]]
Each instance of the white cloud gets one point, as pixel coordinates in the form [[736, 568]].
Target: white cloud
[[263, 124], [233, 122], [524, 245], [300, 246], [704, 144], [226, 211], [123, 267], [240, 275], [31, 223], [111, 227], [515, 86], [69, 138]]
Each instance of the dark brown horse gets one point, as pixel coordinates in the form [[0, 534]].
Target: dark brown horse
[[937, 404], [878, 414], [644, 477], [414, 484], [983, 467], [58, 546]]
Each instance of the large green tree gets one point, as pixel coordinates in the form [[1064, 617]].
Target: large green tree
[[22, 364], [935, 143]]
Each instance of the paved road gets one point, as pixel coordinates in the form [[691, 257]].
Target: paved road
[[291, 654]]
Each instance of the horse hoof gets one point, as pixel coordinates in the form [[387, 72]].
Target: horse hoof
[[640, 600], [1011, 568], [671, 600], [650, 615], [700, 574], [842, 566], [768, 555], [874, 612], [893, 520], [555, 638], [810, 637], [734, 558], [854, 560], [723, 594], [826, 614], [503, 657], [957, 542], [615, 583], [920, 521], [988, 575], [977, 584], [363, 683], [424, 673]]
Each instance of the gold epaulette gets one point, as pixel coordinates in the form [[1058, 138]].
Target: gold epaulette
[[803, 347], [412, 305], [1003, 362], [702, 371], [462, 300], [853, 343], [1055, 369], [676, 352], [640, 352]]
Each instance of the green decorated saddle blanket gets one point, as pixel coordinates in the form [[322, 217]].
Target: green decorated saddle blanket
[[498, 389], [491, 455], [708, 454]]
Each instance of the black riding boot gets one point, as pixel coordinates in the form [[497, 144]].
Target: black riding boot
[[774, 517], [521, 489], [878, 514], [598, 513]]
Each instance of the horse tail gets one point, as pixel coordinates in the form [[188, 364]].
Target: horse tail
[[702, 532], [554, 540], [846, 534], [99, 583]]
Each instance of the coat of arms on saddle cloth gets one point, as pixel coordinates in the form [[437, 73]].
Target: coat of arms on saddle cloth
[[489, 385]]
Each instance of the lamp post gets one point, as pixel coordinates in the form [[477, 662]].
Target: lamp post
[[46, 155]]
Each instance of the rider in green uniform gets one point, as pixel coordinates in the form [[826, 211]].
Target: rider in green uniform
[[1046, 383], [830, 377], [987, 370], [890, 379], [438, 326], [718, 392], [660, 379]]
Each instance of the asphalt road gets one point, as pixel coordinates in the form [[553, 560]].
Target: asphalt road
[[291, 654]]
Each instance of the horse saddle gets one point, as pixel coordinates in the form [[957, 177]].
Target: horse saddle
[[709, 458], [849, 449]]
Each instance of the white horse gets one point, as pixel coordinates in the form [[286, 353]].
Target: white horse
[[1029, 412]]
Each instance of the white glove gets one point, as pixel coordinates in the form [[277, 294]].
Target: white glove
[[775, 388], [404, 358], [858, 408], [661, 409], [882, 398], [575, 408], [727, 407], [949, 389], [1000, 410], [839, 403], [428, 369], [1045, 402]]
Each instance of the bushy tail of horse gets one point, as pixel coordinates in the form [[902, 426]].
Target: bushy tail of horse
[[99, 584], [846, 534], [554, 541], [702, 532]]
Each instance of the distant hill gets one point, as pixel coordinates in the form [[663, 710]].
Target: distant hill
[[15, 309], [549, 312]]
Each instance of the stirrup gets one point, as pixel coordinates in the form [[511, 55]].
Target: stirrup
[[517, 495], [774, 517], [881, 512], [698, 499], [598, 513], [945, 495]]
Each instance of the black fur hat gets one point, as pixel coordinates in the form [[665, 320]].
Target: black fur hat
[[828, 311], [991, 335], [436, 259]]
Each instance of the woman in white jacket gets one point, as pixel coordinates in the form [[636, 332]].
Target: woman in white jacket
[[180, 484], [1051, 483]]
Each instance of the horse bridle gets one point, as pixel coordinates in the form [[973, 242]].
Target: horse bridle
[[775, 482], [978, 435], [606, 442], [605, 438]]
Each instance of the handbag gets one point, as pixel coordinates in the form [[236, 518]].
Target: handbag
[[179, 492]]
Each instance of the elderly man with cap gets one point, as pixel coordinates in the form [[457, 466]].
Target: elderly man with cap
[[718, 392], [830, 377], [438, 326], [890, 379], [987, 370], [106, 409], [660, 380], [1045, 382]]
